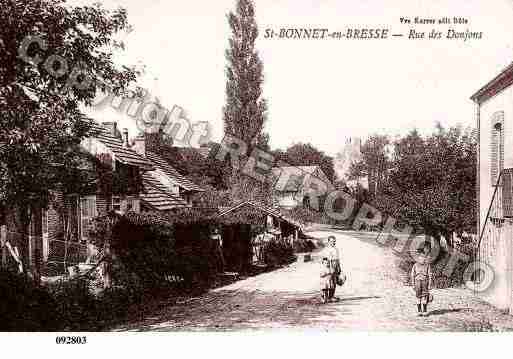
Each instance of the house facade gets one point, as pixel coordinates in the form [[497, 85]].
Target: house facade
[[494, 121], [66, 222], [293, 184]]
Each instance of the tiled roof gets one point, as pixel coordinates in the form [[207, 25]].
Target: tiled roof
[[171, 172], [496, 85], [158, 196], [123, 154], [295, 176], [272, 211]]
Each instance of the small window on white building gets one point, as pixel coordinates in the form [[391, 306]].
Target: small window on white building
[[497, 146]]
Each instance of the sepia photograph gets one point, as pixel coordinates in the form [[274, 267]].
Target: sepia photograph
[[255, 166]]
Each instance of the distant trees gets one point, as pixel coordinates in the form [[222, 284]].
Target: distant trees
[[374, 164], [432, 180]]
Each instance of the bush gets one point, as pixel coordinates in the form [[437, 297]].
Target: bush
[[278, 253], [302, 245], [196, 264], [75, 303], [148, 253], [308, 215], [439, 277], [25, 306]]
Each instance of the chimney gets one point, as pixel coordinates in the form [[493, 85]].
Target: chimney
[[140, 145], [125, 137], [112, 127], [154, 140]]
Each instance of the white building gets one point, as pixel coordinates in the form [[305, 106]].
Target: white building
[[494, 120], [295, 184]]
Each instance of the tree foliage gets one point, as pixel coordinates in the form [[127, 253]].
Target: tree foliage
[[245, 111], [432, 182], [374, 164], [40, 102]]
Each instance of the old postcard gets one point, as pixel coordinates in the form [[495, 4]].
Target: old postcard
[[251, 165]]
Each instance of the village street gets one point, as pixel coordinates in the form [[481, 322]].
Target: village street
[[374, 299]]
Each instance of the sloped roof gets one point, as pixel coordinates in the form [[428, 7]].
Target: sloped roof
[[123, 154], [158, 196], [172, 173], [272, 211], [503, 80], [296, 176]]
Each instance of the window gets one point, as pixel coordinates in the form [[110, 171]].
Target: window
[[45, 221], [46, 247], [116, 204], [129, 204], [497, 146], [87, 213]]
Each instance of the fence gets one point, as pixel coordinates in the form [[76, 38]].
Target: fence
[[63, 254], [57, 255]]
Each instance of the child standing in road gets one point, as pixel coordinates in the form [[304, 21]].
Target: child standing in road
[[421, 279], [327, 283]]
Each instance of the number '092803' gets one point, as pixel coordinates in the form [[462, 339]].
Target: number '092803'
[[70, 340]]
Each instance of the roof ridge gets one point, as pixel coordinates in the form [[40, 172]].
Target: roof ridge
[[164, 165]]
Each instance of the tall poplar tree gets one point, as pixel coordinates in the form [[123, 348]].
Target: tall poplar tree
[[245, 111]]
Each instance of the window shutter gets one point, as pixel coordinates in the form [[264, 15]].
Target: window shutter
[[497, 146], [507, 193], [494, 155]]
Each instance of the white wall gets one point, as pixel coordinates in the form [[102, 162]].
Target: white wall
[[501, 102], [495, 246], [288, 199]]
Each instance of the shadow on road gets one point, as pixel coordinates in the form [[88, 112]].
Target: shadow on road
[[445, 311], [226, 310]]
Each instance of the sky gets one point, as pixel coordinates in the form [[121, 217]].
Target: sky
[[321, 91]]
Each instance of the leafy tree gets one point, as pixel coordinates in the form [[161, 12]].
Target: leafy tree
[[432, 183], [245, 111], [40, 102], [374, 164]]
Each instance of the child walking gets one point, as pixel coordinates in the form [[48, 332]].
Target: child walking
[[327, 283], [421, 279]]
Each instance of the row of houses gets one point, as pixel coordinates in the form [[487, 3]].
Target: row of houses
[[141, 179]]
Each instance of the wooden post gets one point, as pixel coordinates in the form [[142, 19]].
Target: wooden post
[[3, 242], [107, 267], [36, 243]]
